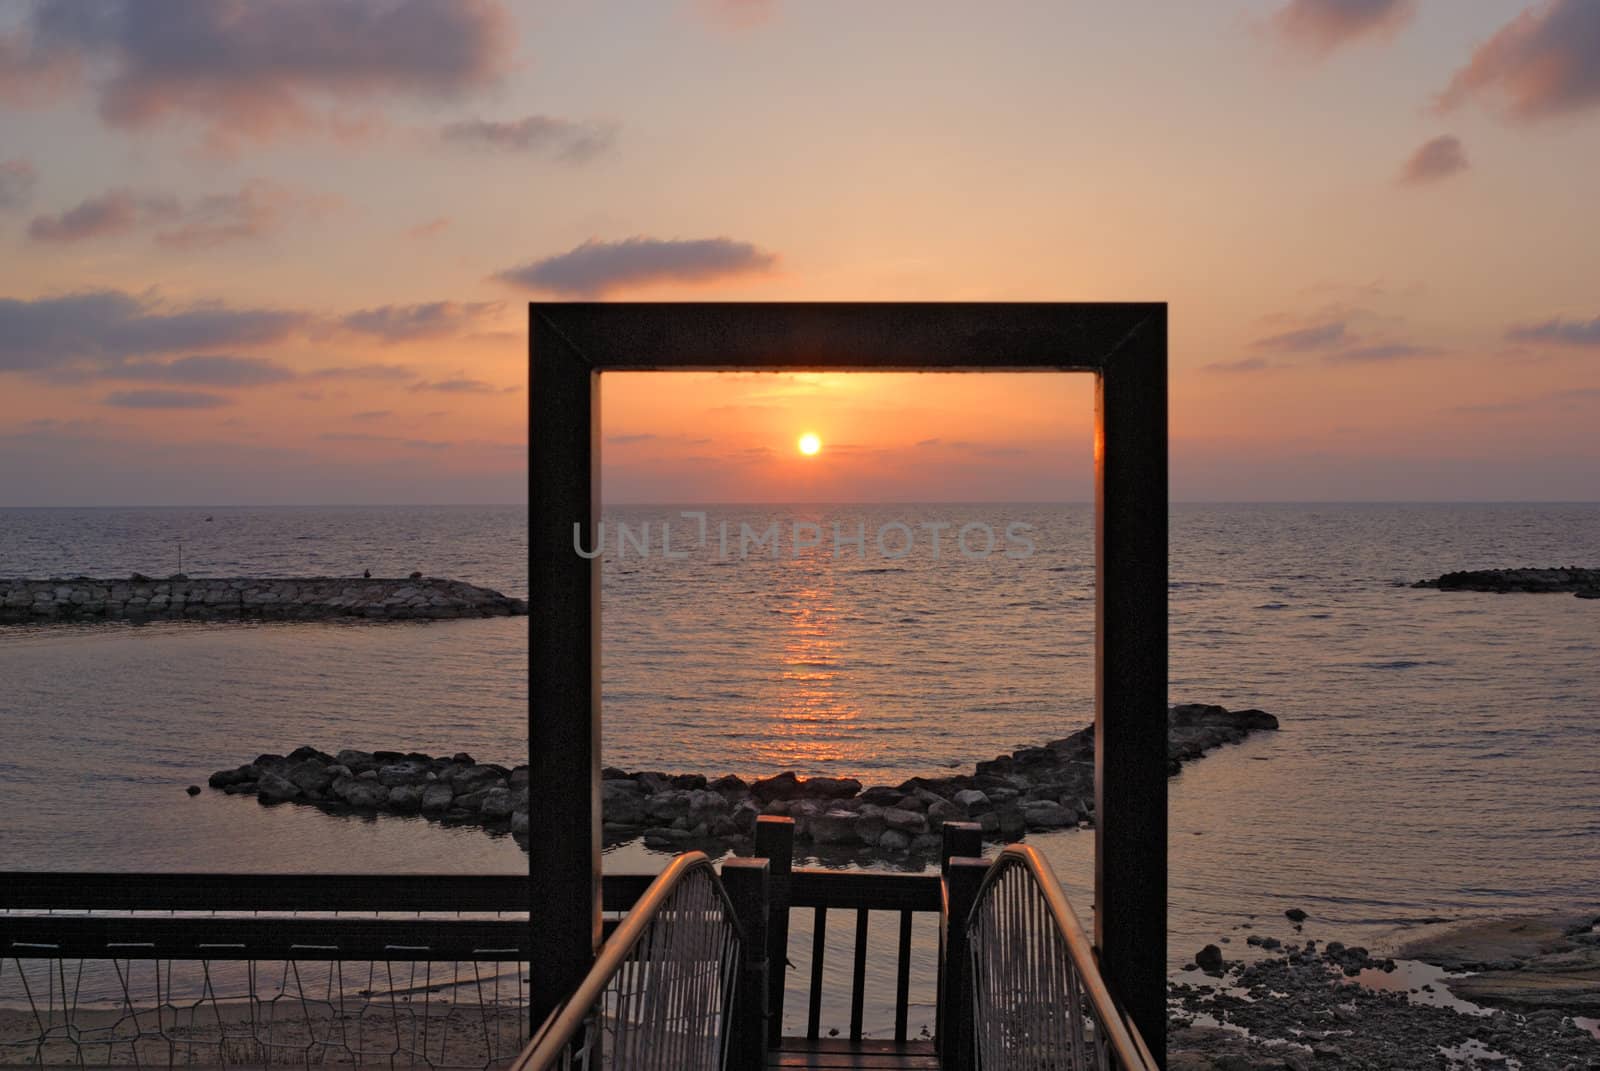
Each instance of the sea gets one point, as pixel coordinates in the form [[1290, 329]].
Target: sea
[[1437, 755]]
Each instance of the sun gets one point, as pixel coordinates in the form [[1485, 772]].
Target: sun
[[810, 444]]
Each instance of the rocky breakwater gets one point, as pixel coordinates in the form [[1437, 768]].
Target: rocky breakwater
[[1584, 583], [1031, 789], [139, 598]]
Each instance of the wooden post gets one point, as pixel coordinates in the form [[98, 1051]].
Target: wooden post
[[746, 881], [962, 879], [1130, 721], [563, 667], [775, 844], [960, 838]]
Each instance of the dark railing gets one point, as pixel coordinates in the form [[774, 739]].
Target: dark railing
[[660, 995], [1037, 996], [857, 892], [168, 969]]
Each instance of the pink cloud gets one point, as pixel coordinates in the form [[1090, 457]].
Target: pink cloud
[[249, 70], [1543, 63], [1321, 26], [1435, 159]]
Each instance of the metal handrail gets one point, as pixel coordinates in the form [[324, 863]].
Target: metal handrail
[[552, 1045], [1000, 961]]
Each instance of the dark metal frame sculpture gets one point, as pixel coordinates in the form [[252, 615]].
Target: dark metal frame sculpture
[[570, 345]]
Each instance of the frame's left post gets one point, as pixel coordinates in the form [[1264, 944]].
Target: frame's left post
[[563, 666]]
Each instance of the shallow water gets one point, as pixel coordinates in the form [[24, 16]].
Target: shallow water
[[1436, 756]]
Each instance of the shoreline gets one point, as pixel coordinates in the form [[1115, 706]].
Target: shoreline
[[1032, 789]]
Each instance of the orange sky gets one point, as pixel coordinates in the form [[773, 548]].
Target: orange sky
[[257, 271]]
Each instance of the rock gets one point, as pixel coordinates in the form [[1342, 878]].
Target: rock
[[1047, 814], [972, 801], [941, 811], [905, 821], [436, 798], [622, 802], [784, 786], [830, 788], [835, 827], [1295, 914], [496, 803], [404, 773], [193, 790], [893, 840], [406, 798], [663, 807], [1209, 959], [273, 788], [519, 822], [310, 775]]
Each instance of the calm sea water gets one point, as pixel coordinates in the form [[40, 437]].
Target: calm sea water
[[1437, 755]]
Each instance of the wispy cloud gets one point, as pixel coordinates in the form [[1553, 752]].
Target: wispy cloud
[[562, 139], [429, 228], [114, 212], [364, 371], [406, 323], [109, 327], [595, 268], [371, 414], [17, 179], [457, 385], [1321, 26], [1542, 64], [1378, 353], [1435, 159], [1559, 331], [253, 212], [1247, 364], [253, 70], [166, 399], [205, 370], [1316, 337]]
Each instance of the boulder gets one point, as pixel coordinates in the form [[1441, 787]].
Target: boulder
[[519, 822], [496, 803], [972, 801], [310, 775], [942, 811], [406, 798], [893, 840], [835, 827], [781, 786], [436, 798], [830, 788], [1209, 959], [273, 788], [1047, 814], [905, 821]]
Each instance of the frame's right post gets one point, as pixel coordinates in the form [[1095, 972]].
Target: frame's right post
[[1131, 677]]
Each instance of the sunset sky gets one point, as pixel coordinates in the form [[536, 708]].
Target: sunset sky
[[280, 252]]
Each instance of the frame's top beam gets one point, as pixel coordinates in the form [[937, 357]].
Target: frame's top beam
[[846, 336]]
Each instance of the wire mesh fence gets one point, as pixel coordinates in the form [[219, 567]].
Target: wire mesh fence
[[662, 999], [71, 996]]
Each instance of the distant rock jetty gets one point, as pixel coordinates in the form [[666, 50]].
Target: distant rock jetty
[[1031, 789], [139, 598], [1584, 583]]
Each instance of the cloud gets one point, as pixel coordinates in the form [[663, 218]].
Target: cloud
[[116, 212], [1378, 353], [388, 440], [364, 371], [404, 323], [429, 228], [253, 212], [638, 437], [595, 268], [107, 327], [372, 414], [563, 139], [1543, 63], [1319, 336], [258, 209], [1435, 159], [458, 385], [253, 70], [206, 370], [1559, 331], [17, 179], [166, 399], [1321, 26], [1248, 364]]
